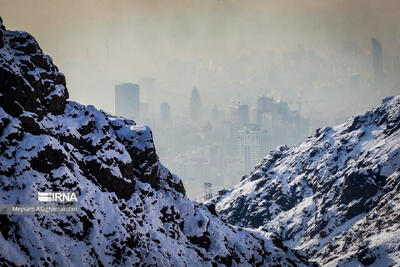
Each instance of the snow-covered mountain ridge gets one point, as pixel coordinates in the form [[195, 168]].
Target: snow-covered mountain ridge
[[336, 196], [133, 211]]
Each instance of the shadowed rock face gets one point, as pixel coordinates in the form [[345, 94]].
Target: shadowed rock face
[[316, 194], [34, 91], [29, 79], [133, 211]]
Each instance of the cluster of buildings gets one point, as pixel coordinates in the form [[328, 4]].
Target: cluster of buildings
[[213, 149], [210, 148]]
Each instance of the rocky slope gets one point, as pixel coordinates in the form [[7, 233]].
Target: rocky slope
[[336, 196], [133, 211]]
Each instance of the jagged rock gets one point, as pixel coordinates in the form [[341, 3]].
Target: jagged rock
[[366, 256], [29, 80], [318, 194], [47, 159]]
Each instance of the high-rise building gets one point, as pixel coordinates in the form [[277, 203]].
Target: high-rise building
[[165, 111], [240, 114], [265, 105], [195, 105], [127, 101], [251, 145], [215, 114], [377, 61]]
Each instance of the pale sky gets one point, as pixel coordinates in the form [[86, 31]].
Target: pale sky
[[97, 43]]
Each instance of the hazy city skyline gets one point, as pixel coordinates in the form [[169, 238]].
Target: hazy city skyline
[[287, 66], [178, 43]]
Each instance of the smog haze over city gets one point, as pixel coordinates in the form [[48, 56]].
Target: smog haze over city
[[221, 82]]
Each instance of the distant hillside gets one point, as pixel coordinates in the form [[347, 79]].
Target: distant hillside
[[335, 196]]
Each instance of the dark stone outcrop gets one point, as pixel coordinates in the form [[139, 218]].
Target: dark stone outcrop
[[29, 81], [48, 160]]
